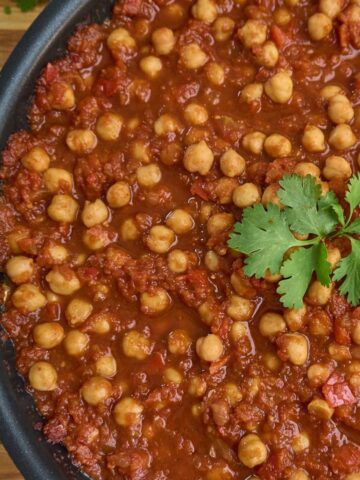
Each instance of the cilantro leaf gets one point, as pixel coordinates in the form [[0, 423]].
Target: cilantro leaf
[[349, 270], [26, 5], [353, 228], [297, 272], [304, 215], [331, 201], [264, 236], [353, 193], [322, 267]]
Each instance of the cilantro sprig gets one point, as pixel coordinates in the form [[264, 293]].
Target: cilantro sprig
[[266, 235]]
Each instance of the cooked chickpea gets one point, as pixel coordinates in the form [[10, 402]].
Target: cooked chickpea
[[195, 114], [318, 294], [205, 10], [252, 92], [277, 146], [340, 353], [206, 313], [171, 375], [267, 55], [129, 230], [101, 323], [163, 40], [127, 412], [233, 394], [192, 56], [120, 38], [219, 222], [136, 345], [27, 298], [296, 348], [180, 221], [43, 377], [20, 269], [282, 16], [106, 366], [160, 239], [353, 476], [331, 8], [48, 335], [198, 158], [295, 318], [96, 238], [56, 179], [279, 87], [313, 139], [209, 348], [254, 142], [254, 32], [15, 236], [299, 475], [154, 302], [337, 168], [215, 73], [320, 409], [148, 176], [232, 164], [96, 390], [76, 342], [319, 26], [238, 331], [63, 281], [340, 109], [151, 66], [118, 195], [301, 442], [239, 308], [177, 261], [63, 209], [252, 451], [109, 126], [271, 324], [179, 342], [307, 168], [57, 253], [318, 373], [78, 311], [329, 91], [212, 261], [223, 28], [333, 257], [36, 160], [342, 137], [165, 124], [94, 213], [197, 386], [61, 96], [270, 196], [81, 142]]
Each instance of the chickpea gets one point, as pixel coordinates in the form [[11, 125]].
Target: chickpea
[[232, 164], [192, 56], [223, 28], [127, 412], [96, 238], [96, 390], [307, 168], [296, 348], [267, 55], [334, 256], [57, 253], [205, 10], [252, 92], [129, 230], [239, 308], [20, 269], [233, 394], [151, 66], [118, 195], [318, 373], [295, 318], [171, 375], [340, 109], [63, 280], [331, 8], [212, 261], [148, 176], [313, 139], [101, 323], [238, 331], [177, 261], [329, 91], [340, 353], [63, 209], [109, 126], [337, 168], [252, 451], [140, 151], [320, 409], [36, 160], [342, 137], [319, 26], [254, 142], [78, 311], [209, 348], [282, 17], [277, 146], [219, 222], [81, 142], [56, 179], [106, 366], [179, 342], [94, 213], [197, 386], [299, 475], [215, 73], [75, 343], [195, 114], [270, 196], [279, 87], [61, 96], [271, 324], [154, 302], [163, 40], [355, 333], [27, 298], [301, 442], [180, 221], [254, 32], [198, 158], [120, 38], [166, 124], [136, 345], [353, 476], [48, 335], [318, 294], [43, 377], [206, 313], [160, 239]]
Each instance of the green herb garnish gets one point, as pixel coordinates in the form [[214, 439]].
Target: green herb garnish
[[266, 234], [7, 10], [27, 5]]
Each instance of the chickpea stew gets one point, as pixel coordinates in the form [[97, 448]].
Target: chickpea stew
[[148, 351]]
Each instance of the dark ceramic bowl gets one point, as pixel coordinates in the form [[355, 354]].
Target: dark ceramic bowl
[[44, 41]]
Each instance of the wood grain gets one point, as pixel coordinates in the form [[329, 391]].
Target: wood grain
[[12, 27]]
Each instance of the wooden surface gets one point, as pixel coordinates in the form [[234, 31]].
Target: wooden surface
[[12, 27]]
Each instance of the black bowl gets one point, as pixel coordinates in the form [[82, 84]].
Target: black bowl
[[44, 41]]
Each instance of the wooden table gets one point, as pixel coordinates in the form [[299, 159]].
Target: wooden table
[[12, 27]]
